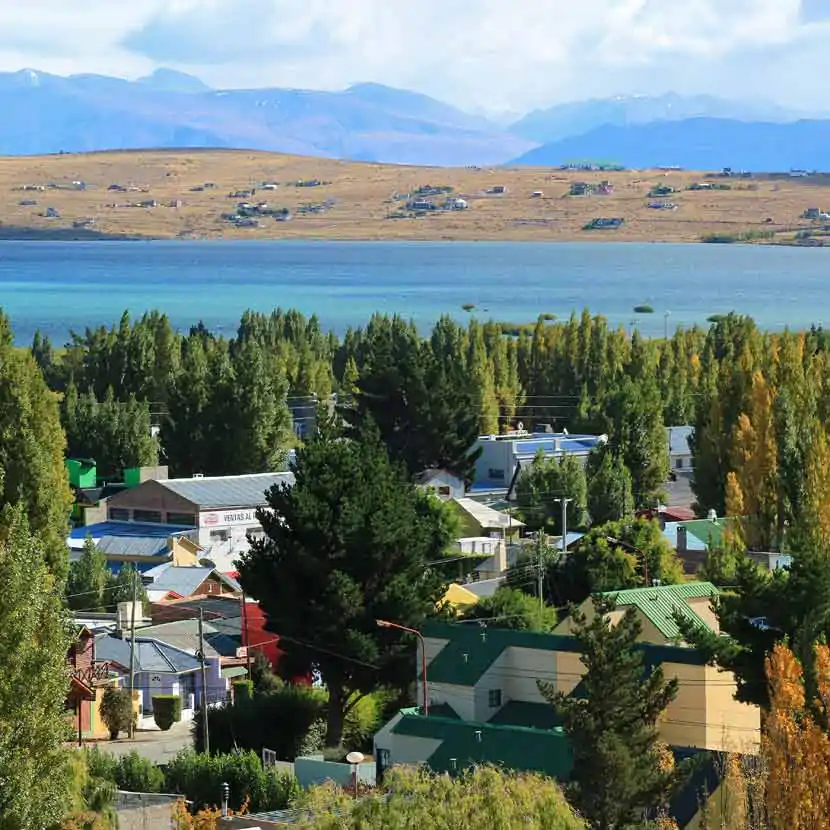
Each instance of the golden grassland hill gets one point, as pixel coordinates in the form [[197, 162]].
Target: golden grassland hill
[[185, 194]]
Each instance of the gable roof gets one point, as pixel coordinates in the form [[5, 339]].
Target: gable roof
[[227, 491], [487, 517], [150, 655], [660, 604], [467, 655], [708, 531], [143, 546], [185, 580], [184, 635]]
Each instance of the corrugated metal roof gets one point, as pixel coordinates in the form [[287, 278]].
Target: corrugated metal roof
[[132, 546], [660, 604], [692, 542], [227, 491], [184, 580], [150, 655], [486, 516]]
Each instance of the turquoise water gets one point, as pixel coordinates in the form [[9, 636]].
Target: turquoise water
[[58, 286]]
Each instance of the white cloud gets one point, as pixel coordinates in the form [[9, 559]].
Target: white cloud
[[492, 54]]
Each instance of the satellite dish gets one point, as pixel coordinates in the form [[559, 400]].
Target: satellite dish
[[355, 757]]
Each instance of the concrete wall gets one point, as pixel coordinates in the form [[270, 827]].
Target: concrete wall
[[313, 770]]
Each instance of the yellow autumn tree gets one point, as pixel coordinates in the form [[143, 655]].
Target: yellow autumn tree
[[814, 521], [796, 743], [754, 462]]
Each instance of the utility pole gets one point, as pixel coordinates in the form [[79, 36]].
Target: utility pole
[[132, 650], [245, 638], [564, 502], [205, 728], [540, 575]]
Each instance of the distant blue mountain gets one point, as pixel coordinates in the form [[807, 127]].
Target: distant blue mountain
[[695, 144], [45, 113], [578, 117]]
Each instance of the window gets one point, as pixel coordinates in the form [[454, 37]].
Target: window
[[444, 491], [678, 464], [494, 698], [497, 474], [219, 535], [181, 519], [255, 532], [119, 514], [153, 516]]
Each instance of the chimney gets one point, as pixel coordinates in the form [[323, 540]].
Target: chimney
[[682, 544]]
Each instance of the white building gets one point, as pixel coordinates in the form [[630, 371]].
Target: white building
[[221, 510], [503, 455], [680, 453]]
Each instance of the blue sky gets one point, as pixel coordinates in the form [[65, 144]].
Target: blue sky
[[492, 55]]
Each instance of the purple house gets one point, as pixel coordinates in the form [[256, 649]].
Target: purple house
[[161, 668]]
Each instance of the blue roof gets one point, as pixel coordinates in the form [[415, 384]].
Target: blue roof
[[692, 541], [150, 655], [146, 529]]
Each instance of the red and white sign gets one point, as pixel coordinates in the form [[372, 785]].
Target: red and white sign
[[228, 518]]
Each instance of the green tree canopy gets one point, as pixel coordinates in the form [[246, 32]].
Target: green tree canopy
[[117, 434], [618, 772], [32, 445], [349, 543], [480, 797], [615, 556], [545, 481], [34, 638], [512, 608], [610, 496]]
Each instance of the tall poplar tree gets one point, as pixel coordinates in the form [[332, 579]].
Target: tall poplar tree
[[32, 444], [34, 638]]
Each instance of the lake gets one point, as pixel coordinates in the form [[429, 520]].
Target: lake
[[58, 286]]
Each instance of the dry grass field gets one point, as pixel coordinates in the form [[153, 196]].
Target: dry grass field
[[359, 200]]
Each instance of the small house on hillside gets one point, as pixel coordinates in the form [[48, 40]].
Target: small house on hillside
[[442, 483]]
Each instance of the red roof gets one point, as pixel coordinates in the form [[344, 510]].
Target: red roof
[[678, 514]]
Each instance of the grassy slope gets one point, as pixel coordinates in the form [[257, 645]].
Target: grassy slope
[[363, 200]]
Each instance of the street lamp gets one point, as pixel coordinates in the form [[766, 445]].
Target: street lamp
[[387, 624]]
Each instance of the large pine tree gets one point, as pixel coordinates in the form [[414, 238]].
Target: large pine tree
[[348, 544], [617, 775]]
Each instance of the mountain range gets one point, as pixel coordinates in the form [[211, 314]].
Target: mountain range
[[44, 113]]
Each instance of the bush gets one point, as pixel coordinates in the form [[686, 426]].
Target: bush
[[480, 797], [199, 778], [138, 775], [167, 710], [278, 721], [243, 690], [117, 711], [132, 772], [363, 721]]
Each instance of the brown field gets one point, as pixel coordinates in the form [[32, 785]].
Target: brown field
[[363, 201]]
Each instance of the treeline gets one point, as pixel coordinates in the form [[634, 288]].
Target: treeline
[[758, 400]]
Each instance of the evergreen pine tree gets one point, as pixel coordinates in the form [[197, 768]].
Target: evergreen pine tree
[[617, 775], [346, 545]]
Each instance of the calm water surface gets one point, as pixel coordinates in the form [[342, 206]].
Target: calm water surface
[[58, 286]]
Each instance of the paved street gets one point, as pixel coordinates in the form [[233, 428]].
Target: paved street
[[159, 747]]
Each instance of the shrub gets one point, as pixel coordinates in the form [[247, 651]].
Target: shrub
[[199, 777], [278, 721], [138, 775], [363, 721], [117, 711], [100, 764], [167, 710], [481, 797], [243, 689]]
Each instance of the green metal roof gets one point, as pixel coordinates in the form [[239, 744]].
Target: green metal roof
[[467, 655], [527, 714], [660, 604], [708, 531]]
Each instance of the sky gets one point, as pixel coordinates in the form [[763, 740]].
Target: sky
[[494, 56]]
